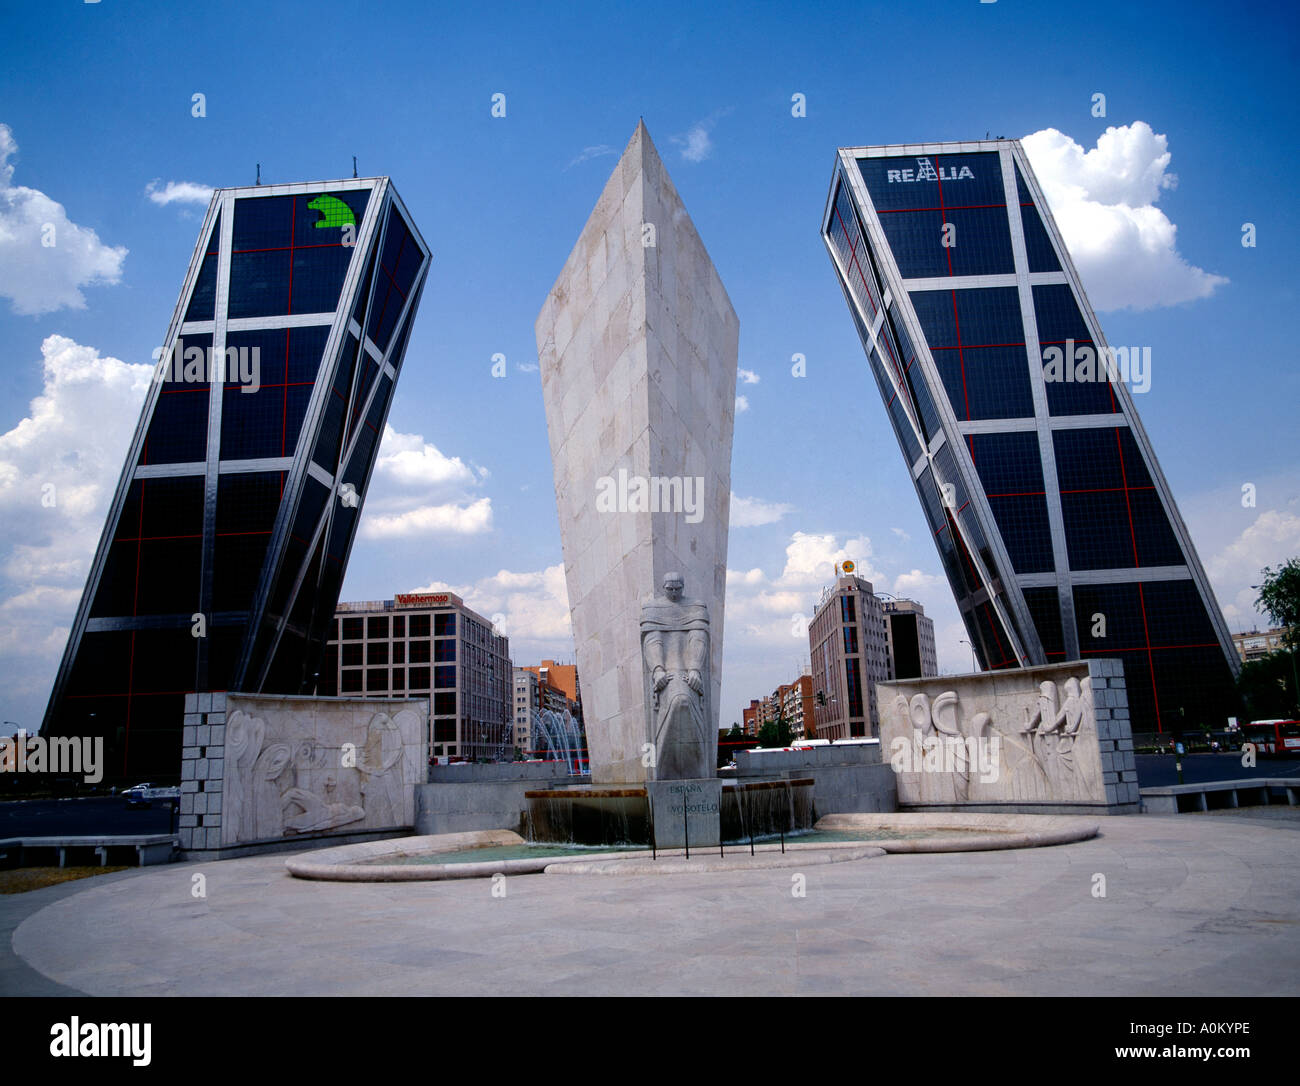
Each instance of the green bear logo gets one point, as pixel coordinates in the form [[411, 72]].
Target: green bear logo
[[333, 212]]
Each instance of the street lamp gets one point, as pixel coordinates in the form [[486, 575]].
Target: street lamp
[[974, 661]]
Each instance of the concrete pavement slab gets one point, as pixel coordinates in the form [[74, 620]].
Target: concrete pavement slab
[[1192, 906]]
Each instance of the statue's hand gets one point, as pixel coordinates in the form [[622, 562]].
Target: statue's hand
[[660, 679], [694, 682]]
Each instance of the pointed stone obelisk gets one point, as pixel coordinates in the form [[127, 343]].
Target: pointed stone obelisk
[[637, 344]]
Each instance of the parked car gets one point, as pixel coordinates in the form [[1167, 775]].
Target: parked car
[[142, 795]]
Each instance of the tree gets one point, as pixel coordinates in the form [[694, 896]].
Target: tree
[[1279, 599], [776, 733], [735, 732], [1263, 686]]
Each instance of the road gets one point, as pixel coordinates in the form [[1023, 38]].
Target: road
[[55, 817], [1157, 770]]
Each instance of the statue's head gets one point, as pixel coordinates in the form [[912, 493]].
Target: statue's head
[[673, 586]]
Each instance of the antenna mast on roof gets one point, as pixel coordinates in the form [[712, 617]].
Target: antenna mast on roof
[[259, 173], [354, 165]]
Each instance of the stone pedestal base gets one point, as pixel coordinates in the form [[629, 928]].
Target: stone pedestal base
[[686, 807]]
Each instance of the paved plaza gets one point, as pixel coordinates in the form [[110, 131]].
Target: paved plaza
[[1194, 905]]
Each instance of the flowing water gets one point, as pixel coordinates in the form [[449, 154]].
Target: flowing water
[[588, 816], [553, 850], [584, 815]]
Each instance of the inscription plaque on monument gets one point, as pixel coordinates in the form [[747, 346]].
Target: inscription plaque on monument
[[687, 806]]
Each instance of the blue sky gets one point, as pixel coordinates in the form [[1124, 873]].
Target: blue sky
[[96, 100]]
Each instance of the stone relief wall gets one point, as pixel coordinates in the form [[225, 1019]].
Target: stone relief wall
[[1056, 734], [265, 768]]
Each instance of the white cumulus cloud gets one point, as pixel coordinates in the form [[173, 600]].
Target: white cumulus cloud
[[531, 608], [696, 145], [742, 404], [1272, 539], [178, 192], [748, 377], [754, 512], [1103, 200], [810, 559], [449, 518], [763, 611], [46, 258], [409, 460], [59, 467], [417, 490]]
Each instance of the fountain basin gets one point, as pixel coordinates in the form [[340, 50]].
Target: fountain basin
[[838, 838], [952, 832], [597, 815]]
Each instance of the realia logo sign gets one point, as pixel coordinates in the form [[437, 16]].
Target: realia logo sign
[[925, 171]]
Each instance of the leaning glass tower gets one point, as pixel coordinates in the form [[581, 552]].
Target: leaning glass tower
[[1055, 526], [222, 557]]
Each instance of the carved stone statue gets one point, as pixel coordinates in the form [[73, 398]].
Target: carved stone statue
[[675, 654]]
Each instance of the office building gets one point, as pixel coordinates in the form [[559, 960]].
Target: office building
[[527, 701], [429, 644], [797, 706], [1256, 644], [849, 641], [228, 534], [562, 678], [540, 687], [912, 653], [1053, 521]]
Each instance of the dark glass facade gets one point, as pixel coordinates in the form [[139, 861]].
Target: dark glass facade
[[223, 554], [1053, 524]]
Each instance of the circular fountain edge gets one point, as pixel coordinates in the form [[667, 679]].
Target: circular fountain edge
[[1002, 831], [766, 857]]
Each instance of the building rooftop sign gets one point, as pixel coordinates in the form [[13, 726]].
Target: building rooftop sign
[[424, 599]]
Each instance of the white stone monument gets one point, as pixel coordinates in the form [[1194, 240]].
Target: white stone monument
[[264, 768], [637, 344], [1053, 738]]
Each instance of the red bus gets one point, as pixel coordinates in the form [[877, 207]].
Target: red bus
[[1273, 736]]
